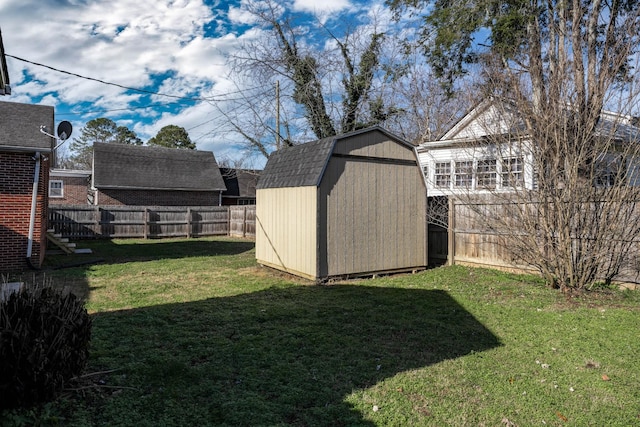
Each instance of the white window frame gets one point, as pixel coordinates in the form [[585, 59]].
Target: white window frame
[[487, 173], [55, 191], [463, 174], [442, 174], [512, 177]]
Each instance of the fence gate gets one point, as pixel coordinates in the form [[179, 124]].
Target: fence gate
[[438, 229]]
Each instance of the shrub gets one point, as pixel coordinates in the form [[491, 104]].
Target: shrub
[[44, 342]]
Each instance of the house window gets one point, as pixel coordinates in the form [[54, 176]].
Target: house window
[[486, 173], [56, 188], [609, 171], [512, 172], [425, 171], [464, 174], [443, 174]]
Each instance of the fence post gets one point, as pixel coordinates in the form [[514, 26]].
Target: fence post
[[145, 226], [188, 222], [244, 221], [451, 233], [97, 229]]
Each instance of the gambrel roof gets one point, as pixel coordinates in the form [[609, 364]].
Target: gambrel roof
[[125, 166], [303, 165], [240, 182]]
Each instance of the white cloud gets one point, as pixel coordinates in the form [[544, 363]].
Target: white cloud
[[168, 46], [323, 10]]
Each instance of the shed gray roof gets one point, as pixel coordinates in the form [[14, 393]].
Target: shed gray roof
[[297, 166], [303, 165], [20, 127], [127, 166]]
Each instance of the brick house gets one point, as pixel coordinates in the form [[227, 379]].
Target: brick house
[[137, 175], [25, 154], [69, 187]]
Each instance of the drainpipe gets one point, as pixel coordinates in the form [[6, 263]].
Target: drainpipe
[[34, 200]]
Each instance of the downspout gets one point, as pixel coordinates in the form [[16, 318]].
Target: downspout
[[32, 218]]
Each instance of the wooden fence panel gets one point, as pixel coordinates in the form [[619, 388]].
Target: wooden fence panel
[[78, 221], [475, 244], [210, 221], [122, 221], [242, 221], [81, 221]]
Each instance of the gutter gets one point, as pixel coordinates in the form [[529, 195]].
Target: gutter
[[32, 217]]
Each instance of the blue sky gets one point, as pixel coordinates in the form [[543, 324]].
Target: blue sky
[[174, 47]]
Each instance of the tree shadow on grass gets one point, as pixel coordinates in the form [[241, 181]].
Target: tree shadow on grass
[[283, 356]]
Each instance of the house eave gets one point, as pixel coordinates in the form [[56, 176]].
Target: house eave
[[71, 173], [126, 187], [16, 149]]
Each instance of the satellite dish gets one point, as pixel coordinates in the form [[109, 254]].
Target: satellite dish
[[64, 130]]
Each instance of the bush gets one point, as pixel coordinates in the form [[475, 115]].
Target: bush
[[44, 342]]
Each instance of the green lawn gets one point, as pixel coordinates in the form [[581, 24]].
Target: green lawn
[[194, 333]]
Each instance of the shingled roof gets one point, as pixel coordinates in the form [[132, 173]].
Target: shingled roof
[[297, 166], [125, 166], [240, 182], [303, 165], [20, 124]]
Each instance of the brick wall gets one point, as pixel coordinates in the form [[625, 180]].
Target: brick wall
[[16, 184], [75, 190], [158, 198]]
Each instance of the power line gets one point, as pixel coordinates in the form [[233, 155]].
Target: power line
[[150, 92], [105, 82]]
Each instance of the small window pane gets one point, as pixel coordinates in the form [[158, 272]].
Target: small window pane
[[487, 175], [464, 174], [56, 189], [443, 174], [512, 172]]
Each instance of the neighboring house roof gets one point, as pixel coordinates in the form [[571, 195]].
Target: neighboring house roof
[[20, 124], [125, 166], [240, 182], [303, 165], [493, 117], [5, 88]]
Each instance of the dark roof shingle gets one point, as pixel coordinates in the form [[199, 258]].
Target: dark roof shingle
[[20, 124], [142, 167], [240, 182], [297, 166]]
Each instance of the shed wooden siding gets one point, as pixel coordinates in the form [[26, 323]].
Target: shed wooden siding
[[373, 144], [286, 229], [372, 215]]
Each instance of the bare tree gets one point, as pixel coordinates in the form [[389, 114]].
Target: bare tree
[[554, 68], [332, 80]]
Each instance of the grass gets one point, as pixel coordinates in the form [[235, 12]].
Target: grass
[[192, 332]]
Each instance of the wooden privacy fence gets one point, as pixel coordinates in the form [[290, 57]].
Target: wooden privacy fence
[[464, 240], [86, 222]]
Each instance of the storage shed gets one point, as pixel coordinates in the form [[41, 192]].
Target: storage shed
[[349, 205]]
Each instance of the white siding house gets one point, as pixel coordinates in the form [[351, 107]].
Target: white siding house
[[465, 160]]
